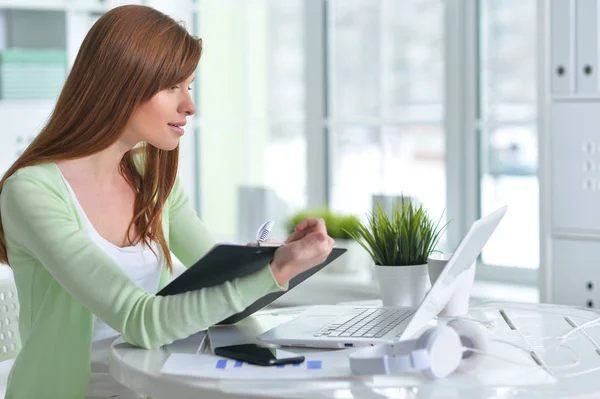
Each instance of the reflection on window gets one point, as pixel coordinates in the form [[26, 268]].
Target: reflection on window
[[405, 160], [509, 133], [413, 45], [387, 84], [250, 111]]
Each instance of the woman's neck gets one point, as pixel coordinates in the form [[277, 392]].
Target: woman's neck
[[103, 168]]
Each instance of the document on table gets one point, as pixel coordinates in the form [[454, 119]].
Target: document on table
[[208, 366]]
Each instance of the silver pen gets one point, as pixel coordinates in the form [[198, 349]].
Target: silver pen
[[264, 231]]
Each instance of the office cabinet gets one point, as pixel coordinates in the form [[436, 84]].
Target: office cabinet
[[561, 37], [586, 47], [576, 279], [575, 166], [569, 143], [574, 31], [31, 74]]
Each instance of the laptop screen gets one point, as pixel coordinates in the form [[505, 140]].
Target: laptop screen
[[463, 258]]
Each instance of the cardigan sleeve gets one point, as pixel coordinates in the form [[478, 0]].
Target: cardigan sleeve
[[189, 239], [39, 222]]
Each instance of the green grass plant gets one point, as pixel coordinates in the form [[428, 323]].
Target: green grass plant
[[406, 237]]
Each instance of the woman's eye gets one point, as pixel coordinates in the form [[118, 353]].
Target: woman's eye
[[174, 87], [189, 88]]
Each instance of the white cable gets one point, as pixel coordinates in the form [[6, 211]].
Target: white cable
[[531, 350], [561, 339], [575, 363], [510, 343], [486, 323], [534, 355], [491, 323], [576, 329], [578, 373], [566, 366], [479, 352], [544, 349]]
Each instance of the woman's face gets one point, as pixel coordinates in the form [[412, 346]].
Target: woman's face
[[160, 121]]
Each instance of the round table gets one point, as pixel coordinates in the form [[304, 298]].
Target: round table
[[536, 325]]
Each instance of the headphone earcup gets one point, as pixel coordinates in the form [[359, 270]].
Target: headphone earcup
[[444, 350], [471, 336]]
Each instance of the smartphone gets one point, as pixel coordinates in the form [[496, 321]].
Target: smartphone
[[260, 355]]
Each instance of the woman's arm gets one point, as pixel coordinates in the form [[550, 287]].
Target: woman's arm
[[189, 238], [39, 222]]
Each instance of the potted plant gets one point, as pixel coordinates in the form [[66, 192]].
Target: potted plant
[[339, 227], [399, 245]]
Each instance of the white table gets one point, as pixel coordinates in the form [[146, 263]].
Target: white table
[[139, 369]]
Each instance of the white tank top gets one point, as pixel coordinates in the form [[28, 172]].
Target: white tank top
[[143, 267]]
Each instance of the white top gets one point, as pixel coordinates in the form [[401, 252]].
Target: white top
[[143, 267]]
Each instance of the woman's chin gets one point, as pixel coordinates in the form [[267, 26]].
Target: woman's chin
[[172, 147], [166, 146]]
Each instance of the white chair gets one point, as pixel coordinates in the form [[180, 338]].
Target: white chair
[[10, 341]]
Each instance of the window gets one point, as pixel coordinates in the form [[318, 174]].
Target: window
[[252, 147], [508, 131], [386, 85]]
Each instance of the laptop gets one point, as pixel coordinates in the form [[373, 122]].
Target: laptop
[[339, 326]]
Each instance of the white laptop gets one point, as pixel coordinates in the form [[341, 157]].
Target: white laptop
[[339, 326]]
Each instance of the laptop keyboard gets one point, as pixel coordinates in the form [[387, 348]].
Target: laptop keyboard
[[366, 323]]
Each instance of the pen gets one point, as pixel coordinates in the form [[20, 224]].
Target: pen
[[264, 231]]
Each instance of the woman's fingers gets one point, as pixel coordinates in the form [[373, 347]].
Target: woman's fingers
[[331, 241], [307, 226], [295, 236], [316, 224]]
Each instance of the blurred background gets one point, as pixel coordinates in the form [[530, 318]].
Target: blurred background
[[328, 103]]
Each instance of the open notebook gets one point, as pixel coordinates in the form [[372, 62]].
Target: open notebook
[[225, 262]]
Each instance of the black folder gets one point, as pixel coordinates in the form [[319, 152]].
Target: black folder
[[225, 262]]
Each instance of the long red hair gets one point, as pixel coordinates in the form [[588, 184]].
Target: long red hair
[[131, 53]]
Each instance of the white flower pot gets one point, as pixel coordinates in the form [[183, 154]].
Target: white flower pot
[[402, 285], [458, 303]]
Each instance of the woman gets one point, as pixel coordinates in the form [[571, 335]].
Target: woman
[[91, 210]]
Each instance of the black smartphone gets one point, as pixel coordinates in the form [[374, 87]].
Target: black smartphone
[[260, 355]]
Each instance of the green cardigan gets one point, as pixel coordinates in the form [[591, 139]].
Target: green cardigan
[[63, 279]]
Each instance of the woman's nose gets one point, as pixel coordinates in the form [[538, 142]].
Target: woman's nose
[[188, 107]]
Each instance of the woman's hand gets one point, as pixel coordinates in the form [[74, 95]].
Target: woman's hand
[[308, 246], [307, 226]]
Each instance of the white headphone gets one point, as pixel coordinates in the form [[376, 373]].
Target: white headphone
[[438, 352]]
